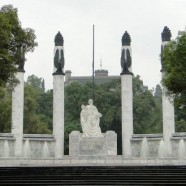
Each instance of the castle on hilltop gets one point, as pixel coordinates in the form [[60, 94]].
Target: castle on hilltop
[[101, 76]]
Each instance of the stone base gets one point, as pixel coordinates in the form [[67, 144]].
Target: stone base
[[92, 146], [91, 161]]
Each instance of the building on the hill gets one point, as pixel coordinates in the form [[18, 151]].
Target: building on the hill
[[101, 76]]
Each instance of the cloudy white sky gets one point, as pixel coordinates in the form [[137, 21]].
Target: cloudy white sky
[[143, 19]]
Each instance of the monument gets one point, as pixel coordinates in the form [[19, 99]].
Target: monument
[[92, 142], [92, 145]]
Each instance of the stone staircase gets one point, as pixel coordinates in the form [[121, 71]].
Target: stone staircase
[[94, 175]]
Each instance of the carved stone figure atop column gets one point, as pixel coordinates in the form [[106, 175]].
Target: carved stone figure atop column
[[126, 40], [125, 63], [58, 39], [59, 54], [90, 119], [166, 34], [126, 60]]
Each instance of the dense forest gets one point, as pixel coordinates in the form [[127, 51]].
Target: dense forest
[[147, 107]]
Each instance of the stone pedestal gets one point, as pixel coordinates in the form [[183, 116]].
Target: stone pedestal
[[127, 113], [58, 114], [92, 146], [17, 114]]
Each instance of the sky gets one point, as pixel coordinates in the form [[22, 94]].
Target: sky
[[144, 20]]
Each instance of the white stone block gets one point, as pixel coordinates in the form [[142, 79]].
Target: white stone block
[[151, 161], [65, 162], [117, 161], [109, 162], [126, 161], [100, 162], [143, 161], [75, 161], [135, 161], [92, 146]]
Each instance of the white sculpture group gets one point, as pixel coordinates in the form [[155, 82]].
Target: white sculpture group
[[90, 119]]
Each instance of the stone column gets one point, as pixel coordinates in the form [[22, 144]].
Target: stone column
[[17, 114], [167, 105], [126, 95], [58, 96], [58, 114]]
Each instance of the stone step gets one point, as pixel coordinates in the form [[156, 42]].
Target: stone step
[[95, 175]]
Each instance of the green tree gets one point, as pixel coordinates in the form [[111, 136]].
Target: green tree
[[33, 124], [5, 110], [180, 116], [157, 117], [36, 82], [43, 99], [37, 107], [15, 42], [146, 117], [45, 108], [174, 76], [174, 67]]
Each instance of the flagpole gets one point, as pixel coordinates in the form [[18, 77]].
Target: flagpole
[[93, 83]]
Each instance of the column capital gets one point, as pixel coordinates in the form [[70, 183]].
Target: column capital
[[58, 73], [126, 73]]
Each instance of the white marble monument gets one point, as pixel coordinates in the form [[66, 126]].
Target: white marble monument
[[92, 142], [91, 147]]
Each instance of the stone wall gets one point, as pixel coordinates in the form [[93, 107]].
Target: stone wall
[[40, 146], [153, 146], [34, 146], [6, 145], [146, 145]]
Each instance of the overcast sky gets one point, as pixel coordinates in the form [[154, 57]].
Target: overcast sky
[[143, 19]]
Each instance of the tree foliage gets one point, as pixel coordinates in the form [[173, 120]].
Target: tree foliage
[[5, 110], [174, 67], [14, 41], [146, 109], [174, 76], [36, 83], [37, 107], [33, 124]]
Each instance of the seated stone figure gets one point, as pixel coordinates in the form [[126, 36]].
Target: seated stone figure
[[90, 119]]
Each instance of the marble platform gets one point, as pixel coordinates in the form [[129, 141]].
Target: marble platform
[[90, 161]]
